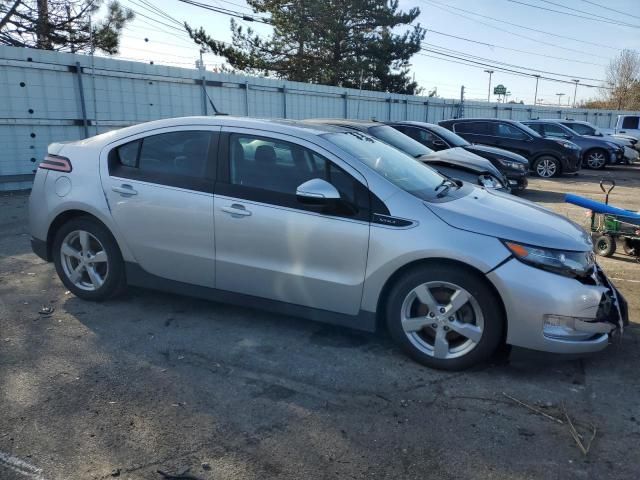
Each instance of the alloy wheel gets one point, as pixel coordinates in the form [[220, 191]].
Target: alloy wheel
[[596, 160], [441, 319], [84, 260], [546, 168]]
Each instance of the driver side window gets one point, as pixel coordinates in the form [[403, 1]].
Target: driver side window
[[509, 131]]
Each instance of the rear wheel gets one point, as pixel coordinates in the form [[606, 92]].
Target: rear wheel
[[88, 260], [605, 245], [631, 247], [546, 167], [596, 159], [444, 318]]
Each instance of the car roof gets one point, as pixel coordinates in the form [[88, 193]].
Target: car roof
[[360, 124], [412, 122], [293, 127], [478, 119]]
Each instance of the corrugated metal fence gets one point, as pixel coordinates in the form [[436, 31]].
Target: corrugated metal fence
[[48, 96]]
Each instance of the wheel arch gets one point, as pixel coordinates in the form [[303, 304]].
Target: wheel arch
[[66, 216], [592, 149], [388, 285]]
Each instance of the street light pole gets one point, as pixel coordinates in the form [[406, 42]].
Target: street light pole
[[490, 72], [559, 97], [535, 97], [575, 90]]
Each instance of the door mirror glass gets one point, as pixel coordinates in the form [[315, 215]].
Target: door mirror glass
[[317, 192], [439, 144]]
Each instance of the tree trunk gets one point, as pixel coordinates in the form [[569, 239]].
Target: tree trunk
[[42, 26]]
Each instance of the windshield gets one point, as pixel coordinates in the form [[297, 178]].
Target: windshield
[[399, 140], [582, 129], [400, 169], [448, 136]]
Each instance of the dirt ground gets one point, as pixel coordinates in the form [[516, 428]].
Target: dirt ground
[[159, 382]]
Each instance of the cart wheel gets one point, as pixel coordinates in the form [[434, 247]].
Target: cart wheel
[[631, 247], [605, 245]]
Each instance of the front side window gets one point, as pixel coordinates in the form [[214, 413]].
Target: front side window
[[536, 127], [474, 128], [630, 122], [551, 130], [509, 131], [581, 129]]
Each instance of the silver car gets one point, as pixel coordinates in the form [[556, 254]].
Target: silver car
[[319, 222]]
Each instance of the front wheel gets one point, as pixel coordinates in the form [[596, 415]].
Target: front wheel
[[546, 167], [88, 260], [445, 318], [596, 159]]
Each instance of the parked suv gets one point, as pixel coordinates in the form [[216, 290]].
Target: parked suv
[[547, 157], [456, 163], [319, 222], [596, 153], [629, 125], [513, 166]]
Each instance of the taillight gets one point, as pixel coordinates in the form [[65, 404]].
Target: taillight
[[56, 162]]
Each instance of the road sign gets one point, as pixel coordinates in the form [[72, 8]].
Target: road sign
[[499, 90]]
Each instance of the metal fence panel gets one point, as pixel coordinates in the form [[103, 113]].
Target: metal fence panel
[[49, 96]]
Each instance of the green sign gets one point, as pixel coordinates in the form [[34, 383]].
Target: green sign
[[499, 90]]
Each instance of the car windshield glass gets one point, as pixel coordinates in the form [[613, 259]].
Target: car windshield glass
[[448, 136], [399, 140], [400, 169]]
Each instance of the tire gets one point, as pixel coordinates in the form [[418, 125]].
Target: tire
[[595, 159], [604, 245], [547, 167], [631, 247], [85, 249], [436, 341]]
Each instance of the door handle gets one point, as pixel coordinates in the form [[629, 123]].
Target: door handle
[[236, 210], [125, 189]]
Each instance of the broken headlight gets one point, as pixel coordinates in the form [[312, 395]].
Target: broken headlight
[[567, 263], [489, 181]]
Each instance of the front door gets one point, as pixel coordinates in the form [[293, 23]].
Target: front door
[[268, 244], [160, 192]]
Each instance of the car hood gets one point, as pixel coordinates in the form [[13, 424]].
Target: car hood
[[618, 141], [511, 218], [497, 152], [459, 157]]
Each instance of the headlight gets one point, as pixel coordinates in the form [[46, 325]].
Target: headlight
[[511, 164], [567, 263], [489, 181], [566, 144]]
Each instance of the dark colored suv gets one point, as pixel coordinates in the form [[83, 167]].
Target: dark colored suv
[[548, 157], [513, 166], [596, 152]]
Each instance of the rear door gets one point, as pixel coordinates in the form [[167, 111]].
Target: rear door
[[272, 246], [159, 188], [476, 132]]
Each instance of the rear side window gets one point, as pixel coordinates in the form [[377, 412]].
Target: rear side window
[[630, 122], [475, 128], [181, 159], [552, 130]]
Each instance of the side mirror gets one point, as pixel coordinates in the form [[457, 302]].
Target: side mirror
[[438, 144], [317, 192]]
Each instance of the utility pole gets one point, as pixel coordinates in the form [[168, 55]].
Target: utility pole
[[575, 90], [559, 97], [535, 97], [490, 72], [461, 108]]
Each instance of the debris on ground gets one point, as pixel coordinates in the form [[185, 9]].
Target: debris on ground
[[178, 476], [576, 436], [46, 311], [534, 409], [115, 472], [206, 466]]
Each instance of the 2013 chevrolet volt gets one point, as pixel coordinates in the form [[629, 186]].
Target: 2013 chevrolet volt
[[320, 222]]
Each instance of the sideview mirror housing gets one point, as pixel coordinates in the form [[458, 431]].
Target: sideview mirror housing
[[317, 192]]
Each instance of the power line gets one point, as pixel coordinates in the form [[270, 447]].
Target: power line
[[447, 7], [577, 15], [626, 14], [510, 64], [429, 30], [226, 11]]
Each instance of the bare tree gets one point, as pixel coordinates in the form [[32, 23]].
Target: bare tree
[[623, 79]]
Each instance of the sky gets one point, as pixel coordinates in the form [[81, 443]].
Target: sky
[[582, 51]]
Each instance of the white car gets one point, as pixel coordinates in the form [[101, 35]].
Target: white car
[[629, 125]]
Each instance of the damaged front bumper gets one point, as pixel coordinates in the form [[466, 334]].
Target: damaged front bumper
[[552, 313]]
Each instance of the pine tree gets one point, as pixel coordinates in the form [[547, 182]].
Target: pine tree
[[334, 42], [62, 25]]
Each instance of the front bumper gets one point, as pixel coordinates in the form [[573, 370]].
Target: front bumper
[[517, 183], [572, 162], [552, 313]]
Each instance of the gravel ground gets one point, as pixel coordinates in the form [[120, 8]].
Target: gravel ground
[[159, 382]]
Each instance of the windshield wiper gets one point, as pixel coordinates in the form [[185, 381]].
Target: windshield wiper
[[446, 184]]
